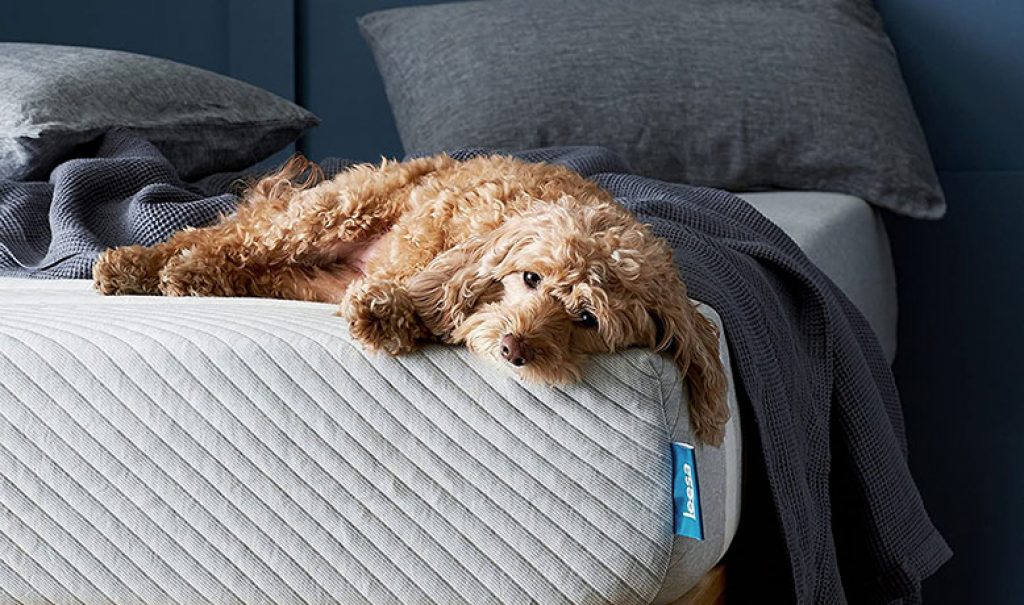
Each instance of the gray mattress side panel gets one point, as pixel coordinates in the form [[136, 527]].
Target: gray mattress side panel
[[242, 450]]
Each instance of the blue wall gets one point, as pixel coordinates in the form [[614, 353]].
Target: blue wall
[[961, 280], [962, 289], [339, 82]]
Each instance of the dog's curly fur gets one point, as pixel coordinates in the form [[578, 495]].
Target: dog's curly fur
[[529, 263]]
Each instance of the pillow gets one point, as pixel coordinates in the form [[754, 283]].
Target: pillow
[[736, 94], [56, 98]]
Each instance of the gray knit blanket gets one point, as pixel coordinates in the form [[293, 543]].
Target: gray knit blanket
[[120, 190], [831, 513]]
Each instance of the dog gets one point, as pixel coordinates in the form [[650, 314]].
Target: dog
[[528, 264]]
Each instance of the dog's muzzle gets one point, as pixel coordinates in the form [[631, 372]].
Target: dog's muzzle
[[515, 350]]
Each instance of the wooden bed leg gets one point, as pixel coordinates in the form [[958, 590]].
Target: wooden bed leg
[[710, 589]]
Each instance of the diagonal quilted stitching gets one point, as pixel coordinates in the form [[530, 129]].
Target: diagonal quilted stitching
[[293, 406]]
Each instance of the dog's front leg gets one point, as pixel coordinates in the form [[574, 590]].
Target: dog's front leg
[[382, 316], [394, 310]]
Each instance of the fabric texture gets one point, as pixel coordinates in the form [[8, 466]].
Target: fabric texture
[[122, 190], [736, 94], [845, 238], [59, 98], [214, 450]]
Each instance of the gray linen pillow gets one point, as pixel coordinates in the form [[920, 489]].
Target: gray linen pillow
[[56, 98], [735, 94]]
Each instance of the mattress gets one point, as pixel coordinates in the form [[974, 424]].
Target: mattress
[[237, 450]]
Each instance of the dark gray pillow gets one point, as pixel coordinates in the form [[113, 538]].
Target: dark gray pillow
[[55, 98], [736, 94]]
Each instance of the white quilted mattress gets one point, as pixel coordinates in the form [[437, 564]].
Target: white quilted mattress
[[244, 451]]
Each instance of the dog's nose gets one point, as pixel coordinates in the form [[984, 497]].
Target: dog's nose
[[515, 350]]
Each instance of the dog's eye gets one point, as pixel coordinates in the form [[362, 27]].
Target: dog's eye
[[531, 279], [587, 320]]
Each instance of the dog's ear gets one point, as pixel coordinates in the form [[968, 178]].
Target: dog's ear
[[456, 281], [692, 341]]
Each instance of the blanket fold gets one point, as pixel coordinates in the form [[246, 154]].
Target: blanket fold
[[830, 514]]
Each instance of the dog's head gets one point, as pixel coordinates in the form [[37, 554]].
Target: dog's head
[[549, 288]]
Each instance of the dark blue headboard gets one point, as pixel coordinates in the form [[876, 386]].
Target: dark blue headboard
[[963, 62]]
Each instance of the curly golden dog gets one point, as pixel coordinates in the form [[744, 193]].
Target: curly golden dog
[[530, 265]]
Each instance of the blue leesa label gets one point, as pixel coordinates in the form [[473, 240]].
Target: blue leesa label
[[686, 492]]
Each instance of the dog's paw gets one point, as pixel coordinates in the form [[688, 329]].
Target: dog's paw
[[127, 270], [184, 275], [382, 317]]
